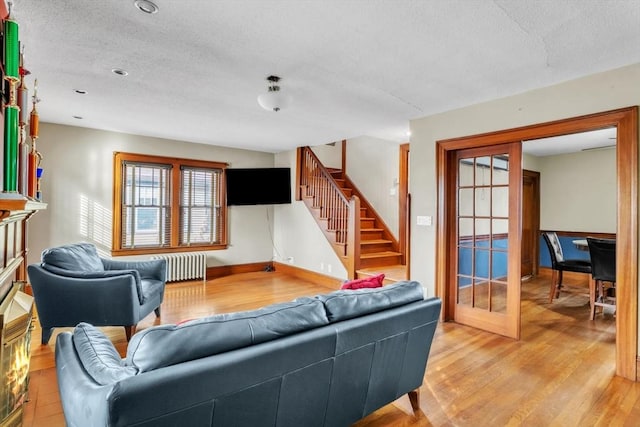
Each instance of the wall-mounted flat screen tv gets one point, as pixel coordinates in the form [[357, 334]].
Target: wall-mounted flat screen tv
[[258, 186]]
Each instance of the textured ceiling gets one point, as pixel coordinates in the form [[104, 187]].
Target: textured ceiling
[[572, 143], [352, 67]]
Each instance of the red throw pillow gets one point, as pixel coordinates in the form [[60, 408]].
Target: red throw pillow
[[365, 282]]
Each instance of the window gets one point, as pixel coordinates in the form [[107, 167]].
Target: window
[[163, 204]]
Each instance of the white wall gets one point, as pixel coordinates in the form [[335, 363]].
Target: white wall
[[330, 155], [77, 184], [578, 191], [600, 92], [373, 166], [530, 162]]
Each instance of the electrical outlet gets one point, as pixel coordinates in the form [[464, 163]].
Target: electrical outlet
[[328, 268], [290, 260]]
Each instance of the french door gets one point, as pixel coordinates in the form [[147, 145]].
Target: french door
[[486, 186]]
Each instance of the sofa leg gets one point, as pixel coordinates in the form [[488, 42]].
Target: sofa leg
[[129, 331], [414, 398], [46, 335], [157, 311]]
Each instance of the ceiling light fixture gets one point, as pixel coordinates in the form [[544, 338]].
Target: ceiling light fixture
[[146, 6], [120, 72], [274, 99]]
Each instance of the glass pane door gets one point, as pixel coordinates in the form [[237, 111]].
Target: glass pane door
[[486, 219]]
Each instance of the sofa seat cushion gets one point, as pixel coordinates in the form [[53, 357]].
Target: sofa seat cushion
[[75, 257], [167, 345], [347, 304], [98, 355]]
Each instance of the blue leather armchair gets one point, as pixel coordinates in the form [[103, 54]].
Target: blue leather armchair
[[74, 284]]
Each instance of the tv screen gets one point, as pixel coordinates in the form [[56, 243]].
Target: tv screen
[[258, 186]]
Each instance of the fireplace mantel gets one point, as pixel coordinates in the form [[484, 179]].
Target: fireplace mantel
[[15, 211], [18, 207]]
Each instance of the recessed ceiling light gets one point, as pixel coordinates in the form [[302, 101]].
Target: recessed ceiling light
[[146, 6], [120, 72], [78, 117], [80, 91]]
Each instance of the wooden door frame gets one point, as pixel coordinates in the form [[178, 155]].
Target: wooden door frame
[[536, 220], [403, 200], [626, 122]]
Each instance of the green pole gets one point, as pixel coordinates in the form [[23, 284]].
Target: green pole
[[11, 49], [11, 130]]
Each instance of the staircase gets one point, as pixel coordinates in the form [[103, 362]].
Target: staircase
[[364, 248], [377, 247]]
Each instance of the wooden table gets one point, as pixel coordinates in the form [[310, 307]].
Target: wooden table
[[581, 244]]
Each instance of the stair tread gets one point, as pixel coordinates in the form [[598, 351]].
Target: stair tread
[[370, 230], [380, 254], [374, 241]]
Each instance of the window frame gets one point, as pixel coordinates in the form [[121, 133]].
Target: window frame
[[175, 181]]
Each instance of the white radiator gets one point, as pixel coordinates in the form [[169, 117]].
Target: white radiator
[[185, 265]]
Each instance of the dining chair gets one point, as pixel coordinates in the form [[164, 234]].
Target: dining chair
[[603, 273], [559, 264]]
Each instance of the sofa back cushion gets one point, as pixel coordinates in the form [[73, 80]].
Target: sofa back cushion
[[167, 345], [347, 304], [75, 257], [98, 355]]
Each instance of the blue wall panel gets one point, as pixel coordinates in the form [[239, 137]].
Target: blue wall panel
[[568, 249], [499, 268]]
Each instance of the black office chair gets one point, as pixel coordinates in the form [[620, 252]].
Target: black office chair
[[603, 273], [559, 264]]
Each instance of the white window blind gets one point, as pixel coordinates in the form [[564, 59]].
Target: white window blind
[[146, 213], [200, 206]]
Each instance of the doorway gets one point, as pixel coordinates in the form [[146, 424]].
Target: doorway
[[626, 122]]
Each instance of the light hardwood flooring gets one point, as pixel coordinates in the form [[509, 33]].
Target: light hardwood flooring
[[561, 373]]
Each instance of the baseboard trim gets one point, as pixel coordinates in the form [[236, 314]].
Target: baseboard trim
[[312, 276], [227, 270]]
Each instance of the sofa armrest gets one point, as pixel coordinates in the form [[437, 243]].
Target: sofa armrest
[[84, 404], [150, 269], [62, 300]]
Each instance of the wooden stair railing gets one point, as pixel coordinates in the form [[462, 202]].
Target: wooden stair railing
[[356, 232], [331, 207]]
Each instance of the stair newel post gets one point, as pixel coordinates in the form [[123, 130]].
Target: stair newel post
[[353, 237], [301, 168]]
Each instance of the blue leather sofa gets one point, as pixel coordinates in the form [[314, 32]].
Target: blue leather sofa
[[323, 361], [74, 284]]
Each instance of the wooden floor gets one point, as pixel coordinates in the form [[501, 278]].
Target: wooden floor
[[393, 273], [560, 374]]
